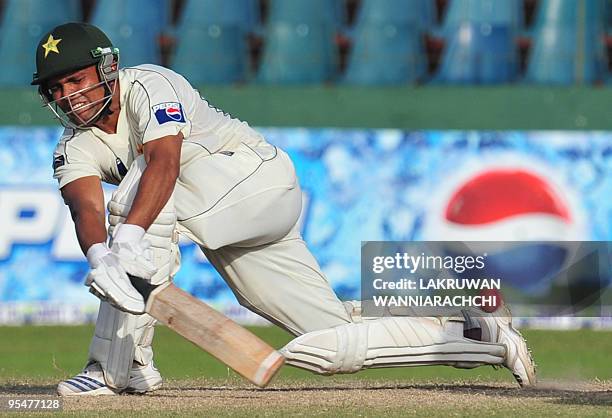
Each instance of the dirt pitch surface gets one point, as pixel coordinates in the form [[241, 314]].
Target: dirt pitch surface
[[338, 397]]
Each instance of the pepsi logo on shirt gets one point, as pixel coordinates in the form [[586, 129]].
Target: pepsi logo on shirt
[[168, 112]]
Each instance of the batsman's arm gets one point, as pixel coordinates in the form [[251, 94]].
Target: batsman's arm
[[163, 157], [85, 199]]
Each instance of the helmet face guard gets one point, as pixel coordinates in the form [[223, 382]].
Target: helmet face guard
[[108, 73]]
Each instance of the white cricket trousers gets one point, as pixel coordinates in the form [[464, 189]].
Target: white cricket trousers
[[242, 209]]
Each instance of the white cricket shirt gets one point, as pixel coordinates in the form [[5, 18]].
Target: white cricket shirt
[[155, 102]]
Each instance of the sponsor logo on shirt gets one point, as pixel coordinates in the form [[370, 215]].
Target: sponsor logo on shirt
[[168, 112]]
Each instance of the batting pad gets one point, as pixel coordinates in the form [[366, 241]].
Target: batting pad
[[119, 339], [387, 342]]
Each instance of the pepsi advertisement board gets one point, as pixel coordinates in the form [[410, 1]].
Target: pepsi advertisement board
[[359, 185]]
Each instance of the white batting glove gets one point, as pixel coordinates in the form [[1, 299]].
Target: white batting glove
[[110, 282], [133, 251], [95, 254]]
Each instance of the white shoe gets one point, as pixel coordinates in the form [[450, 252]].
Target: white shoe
[[144, 379], [90, 382], [518, 356]]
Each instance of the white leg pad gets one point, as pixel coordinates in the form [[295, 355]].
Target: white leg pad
[[387, 342], [119, 339]]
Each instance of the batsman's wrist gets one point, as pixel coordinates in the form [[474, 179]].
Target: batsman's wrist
[[95, 253], [129, 233]]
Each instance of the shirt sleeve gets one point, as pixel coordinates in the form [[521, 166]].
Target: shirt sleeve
[[158, 108], [72, 161]]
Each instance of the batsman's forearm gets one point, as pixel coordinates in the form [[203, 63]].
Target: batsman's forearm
[[90, 229], [155, 188]]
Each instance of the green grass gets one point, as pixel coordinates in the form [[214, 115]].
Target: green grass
[[52, 352], [34, 359]]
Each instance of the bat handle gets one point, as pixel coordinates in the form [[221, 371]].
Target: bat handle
[[144, 287]]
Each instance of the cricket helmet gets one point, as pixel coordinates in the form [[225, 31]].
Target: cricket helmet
[[68, 48]]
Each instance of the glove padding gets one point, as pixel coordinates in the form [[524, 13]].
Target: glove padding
[[133, 251], [129, 254], [110, 282]]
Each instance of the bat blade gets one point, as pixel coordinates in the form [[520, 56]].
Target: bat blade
[[213, 332]]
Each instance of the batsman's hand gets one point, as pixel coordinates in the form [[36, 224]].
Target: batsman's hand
[[133, 251], [110, 282]]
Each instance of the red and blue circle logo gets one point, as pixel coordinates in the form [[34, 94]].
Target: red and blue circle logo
[[168, 112], [174, 113], [504, 204], [500, 204]]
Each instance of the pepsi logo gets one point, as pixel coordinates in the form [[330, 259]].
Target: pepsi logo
[[498, 204], [504, 204], [168, 112], [174, 113], [499, 194]]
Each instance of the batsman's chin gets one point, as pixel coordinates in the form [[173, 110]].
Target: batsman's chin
[[81, 118]]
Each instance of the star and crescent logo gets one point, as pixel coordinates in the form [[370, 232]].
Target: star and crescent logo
[[51, 45]]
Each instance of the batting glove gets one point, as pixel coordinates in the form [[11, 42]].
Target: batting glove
[[133, 251], [95, 254], [110, 282]]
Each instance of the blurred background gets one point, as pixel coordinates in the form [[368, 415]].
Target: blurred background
[[406, 120], [352, 42]]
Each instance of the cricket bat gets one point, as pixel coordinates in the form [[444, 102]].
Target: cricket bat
[[212, 331]]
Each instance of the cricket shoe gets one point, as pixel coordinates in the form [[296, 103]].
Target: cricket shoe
[[90, 382], [518, 356], [143, 379]]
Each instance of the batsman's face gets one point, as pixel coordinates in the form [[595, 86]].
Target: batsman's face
[[80, 95]]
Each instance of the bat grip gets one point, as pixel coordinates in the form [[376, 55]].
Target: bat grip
[[144, 288]]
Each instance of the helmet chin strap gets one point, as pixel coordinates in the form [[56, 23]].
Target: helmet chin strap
[[107, 73], [106, 108]]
